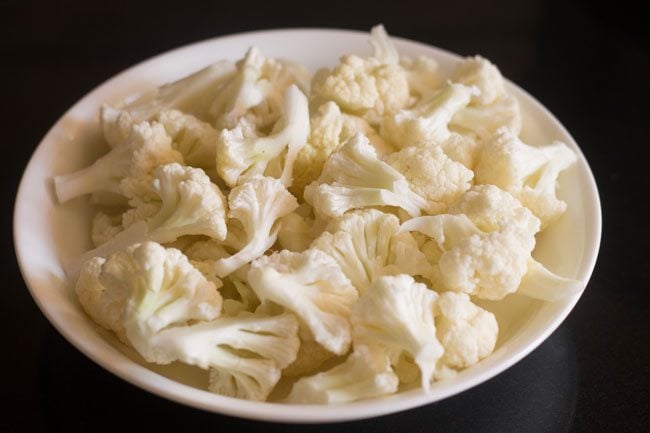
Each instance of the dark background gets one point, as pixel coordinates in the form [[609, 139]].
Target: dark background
[[588, 63]]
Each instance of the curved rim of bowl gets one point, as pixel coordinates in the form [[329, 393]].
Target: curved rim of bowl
[[117, 363]]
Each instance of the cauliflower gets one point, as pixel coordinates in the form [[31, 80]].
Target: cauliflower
[[311, 285], [245, 354], [192, 94], [494, 264], [103, 306], [188, 204], [354, 177], [479, 72], [529, 173], [467, 332], [432, 174], [367, 244], [422, 75], [396, 313], [147, 147], [234, 288], [194, 139], [163, 291], [490, 207], [369, 87], [329, 130], [366, 373], [241, 154], [255, 92], [427, 122], [105, 227], [483, 121], [258, 205]]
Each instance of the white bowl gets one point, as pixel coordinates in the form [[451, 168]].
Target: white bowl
[[47, 234]]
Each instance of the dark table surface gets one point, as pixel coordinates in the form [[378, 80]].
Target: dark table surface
[[588, 64]]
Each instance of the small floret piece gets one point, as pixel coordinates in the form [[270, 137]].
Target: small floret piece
[[194, 139], [258, 205], [354, 177], [241, 154], [365, 374], [147, 147], [529, 173], [311, 285], [467, 332], [396, 313], [432, 174], [427, 123], [367, 244]]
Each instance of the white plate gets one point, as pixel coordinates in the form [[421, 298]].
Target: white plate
[[47, 234]]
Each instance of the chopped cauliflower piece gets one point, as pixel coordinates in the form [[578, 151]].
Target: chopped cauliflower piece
[[483, 121], [192, 95], [258, 205], [354, 177], [147, 147], [311, 285], [241, 154], [329, 130], [194, 139], [369, 87], [397, 314], [481, 73], [163, 290], [467, 332], [367, 244], [432, 175], [422, 75], [255, 92], [427, 122], [529, 173], [103, 306], [365, 374]]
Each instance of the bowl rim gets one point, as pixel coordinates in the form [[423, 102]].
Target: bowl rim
[[140, 376]]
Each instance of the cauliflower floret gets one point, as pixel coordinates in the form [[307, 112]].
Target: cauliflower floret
[[258, 205], [329, 130], [461, 148], [103, 306], [192, 94], [494, 264], [365, 374], [188, 203], [489, 207], [255, 92], [480, 72], [354, 177], [162, 290], [241, 154], [369, 87], [105, 227], [529, 173], [467, 332], [126, 167], [396, 313], [367, 244], [245, 354], [427, 123], [432, 175], [311, 285], [483, 121], [422, 75], [194, 139]]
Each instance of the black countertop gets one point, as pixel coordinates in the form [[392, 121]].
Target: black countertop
[[587, 63]]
